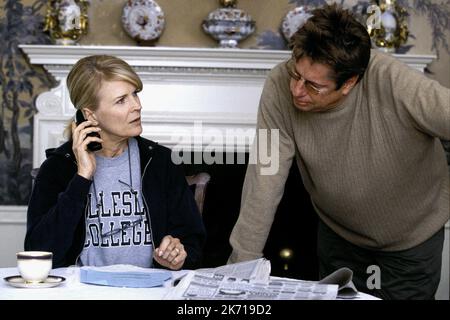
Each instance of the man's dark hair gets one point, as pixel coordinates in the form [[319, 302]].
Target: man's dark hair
[[332, 36]]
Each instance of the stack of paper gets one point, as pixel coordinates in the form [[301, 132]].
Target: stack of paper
[[117, 277]]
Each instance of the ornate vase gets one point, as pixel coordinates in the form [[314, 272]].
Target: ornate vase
[[387, 25], [66, 20], [228, 25]]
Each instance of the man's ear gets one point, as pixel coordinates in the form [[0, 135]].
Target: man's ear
[[349, 84]]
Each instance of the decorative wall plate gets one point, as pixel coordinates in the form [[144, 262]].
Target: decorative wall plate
[[143, 20], [294, 20]]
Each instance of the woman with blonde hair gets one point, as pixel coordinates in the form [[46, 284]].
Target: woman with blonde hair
[[108, 196]]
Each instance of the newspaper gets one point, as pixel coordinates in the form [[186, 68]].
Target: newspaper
[[343, 278], [258, 269], [247, 281], [205, 286]]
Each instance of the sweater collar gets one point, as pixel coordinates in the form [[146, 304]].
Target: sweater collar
[[348, 101]]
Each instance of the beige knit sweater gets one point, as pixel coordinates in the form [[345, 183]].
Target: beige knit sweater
[[373, 166]]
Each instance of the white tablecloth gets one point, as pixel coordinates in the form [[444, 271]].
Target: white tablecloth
[[73, 289]]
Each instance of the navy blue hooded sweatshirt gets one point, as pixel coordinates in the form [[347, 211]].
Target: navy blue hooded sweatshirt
[[57, 207]]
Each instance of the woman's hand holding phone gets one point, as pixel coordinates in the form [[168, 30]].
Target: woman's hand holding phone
[[85, 158], [92, 146]]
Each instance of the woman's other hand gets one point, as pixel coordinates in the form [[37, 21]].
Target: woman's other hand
[[170, 253]]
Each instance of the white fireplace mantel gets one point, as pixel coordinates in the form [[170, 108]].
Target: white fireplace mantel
[[187, 91]]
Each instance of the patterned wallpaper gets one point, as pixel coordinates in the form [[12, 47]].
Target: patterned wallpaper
[[21, 21], [20, 83]]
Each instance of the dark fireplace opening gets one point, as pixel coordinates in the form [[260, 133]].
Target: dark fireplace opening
[[291, 245]]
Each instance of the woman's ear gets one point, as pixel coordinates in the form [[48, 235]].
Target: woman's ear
[[89, 114]]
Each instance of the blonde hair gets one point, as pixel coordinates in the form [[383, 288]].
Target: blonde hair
[[87, 75]]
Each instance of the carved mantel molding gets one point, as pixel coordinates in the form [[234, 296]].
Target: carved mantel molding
[[196, 91]]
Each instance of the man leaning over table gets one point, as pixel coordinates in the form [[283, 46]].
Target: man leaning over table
[[365, 132]]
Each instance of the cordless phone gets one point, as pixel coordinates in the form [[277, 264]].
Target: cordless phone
[[93, 146]]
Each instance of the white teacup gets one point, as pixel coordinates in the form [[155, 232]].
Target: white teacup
[[34, 266]]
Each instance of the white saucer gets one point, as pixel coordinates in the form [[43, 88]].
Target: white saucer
[[18, 282]]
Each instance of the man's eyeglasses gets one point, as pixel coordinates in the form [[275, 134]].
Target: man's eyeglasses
[[127, 224], [309, 86]]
